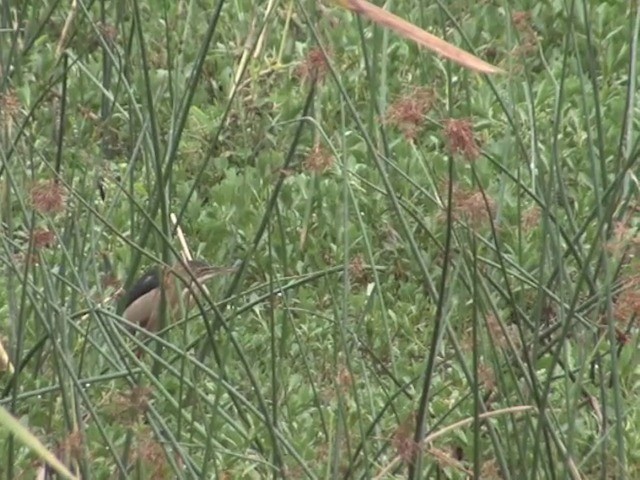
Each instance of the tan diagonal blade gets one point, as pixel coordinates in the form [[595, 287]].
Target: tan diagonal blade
[[418, 35]]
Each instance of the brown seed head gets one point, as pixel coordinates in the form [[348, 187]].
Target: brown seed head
[[43, 238], [72, 445], [408, 112], [531, 218], [108, 31], [319, 160], [501, 337], [486, 377], [521, 20], [9, 103], [344, 379], [528, 38], [152, 455], [403, 442], [460, 137], [490, 470], [473, 207], [48, 196], [9, 109], [132, 404], [627, 303], [314, 67], [358, 270]]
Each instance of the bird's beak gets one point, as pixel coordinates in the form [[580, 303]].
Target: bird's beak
[[208, 272], [202, 272]]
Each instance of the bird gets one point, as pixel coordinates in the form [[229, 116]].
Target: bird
[[143, 304]]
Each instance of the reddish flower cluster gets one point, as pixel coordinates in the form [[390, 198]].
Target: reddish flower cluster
[[358, 270], [408, 112], [404, 444], [314, 67], [475, 207], [627, 303], [48, 197], [528, 38], [43, 238], [461, 139], [319, 160]]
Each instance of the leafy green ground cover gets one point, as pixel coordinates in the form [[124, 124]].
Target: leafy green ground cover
[[424, 251]]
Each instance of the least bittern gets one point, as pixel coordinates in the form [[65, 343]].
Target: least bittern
[[144, 299]]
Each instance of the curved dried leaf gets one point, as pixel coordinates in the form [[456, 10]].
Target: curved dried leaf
[[418, 35]]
